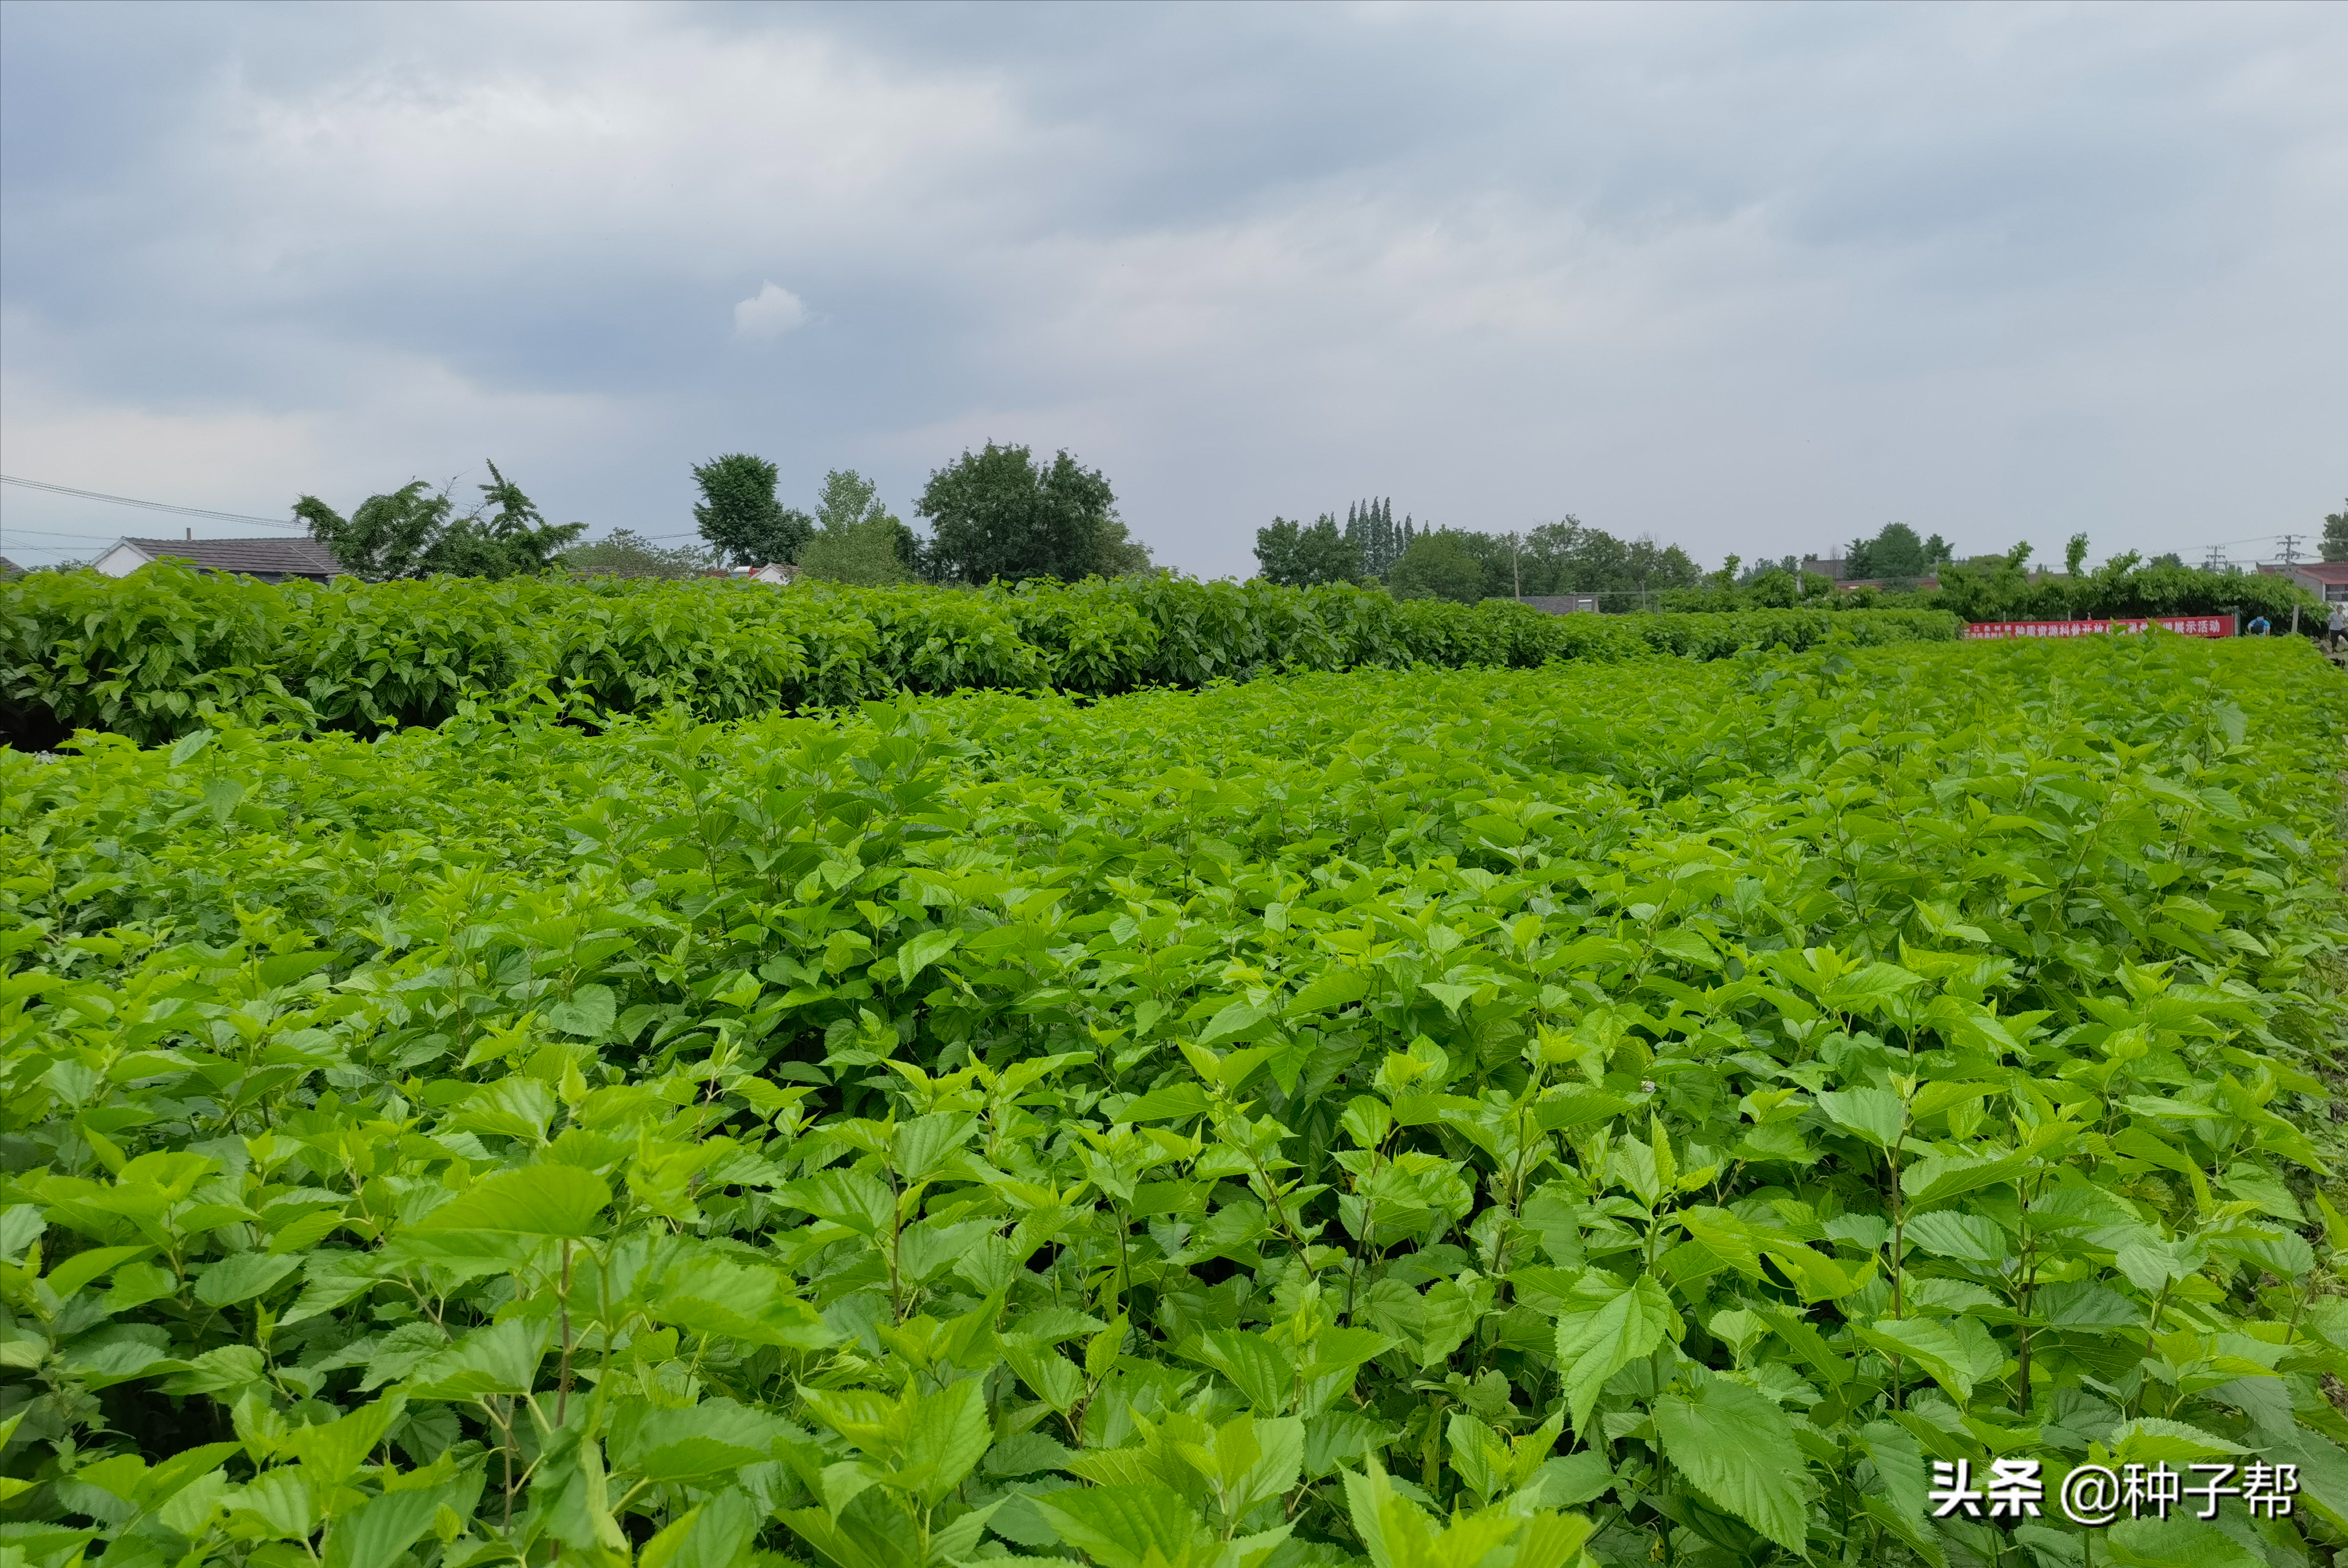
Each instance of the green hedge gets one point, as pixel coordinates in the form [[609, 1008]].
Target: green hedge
[[144, 655]]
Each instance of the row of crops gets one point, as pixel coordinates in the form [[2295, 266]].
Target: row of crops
[[150, 655], [1602, 1114]]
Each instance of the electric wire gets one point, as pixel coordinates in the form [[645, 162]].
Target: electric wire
[[152, 505]]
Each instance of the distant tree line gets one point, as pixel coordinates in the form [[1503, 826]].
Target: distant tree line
[[1908, 570], [2003, 588], [999, 513], [1462, 564]]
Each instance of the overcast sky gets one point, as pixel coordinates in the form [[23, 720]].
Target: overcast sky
[[1749, 278]]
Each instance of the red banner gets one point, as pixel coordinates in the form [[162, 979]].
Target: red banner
[[2185, 625]]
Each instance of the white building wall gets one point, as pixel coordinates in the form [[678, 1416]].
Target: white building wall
[[121, 561]]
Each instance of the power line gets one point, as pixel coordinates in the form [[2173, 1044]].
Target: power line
[[152, 505], [55, 533]]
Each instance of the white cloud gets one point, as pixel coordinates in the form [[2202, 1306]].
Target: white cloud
[[769, 312]]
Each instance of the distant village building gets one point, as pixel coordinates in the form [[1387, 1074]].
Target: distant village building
[[270, 560], [1891, 584], [778, 573], [1562, 604], [2327, 580]]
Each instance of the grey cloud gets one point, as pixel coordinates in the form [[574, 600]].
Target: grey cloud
[[1753, 278]]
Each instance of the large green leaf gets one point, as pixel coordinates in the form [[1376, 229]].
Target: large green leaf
[[1127, 1526], [1599, 1339], [1876, 1115], [557, 1200], [1737, 1448], [1926, 1344], [1326, 992], [241, 1276]]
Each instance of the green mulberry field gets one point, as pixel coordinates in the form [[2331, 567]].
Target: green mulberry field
[[1623, 1112]]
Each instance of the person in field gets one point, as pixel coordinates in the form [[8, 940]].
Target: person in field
[[2336, 629]]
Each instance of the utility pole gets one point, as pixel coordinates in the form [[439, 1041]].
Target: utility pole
[[2217, 561], [2290, 550], [1516, 574]]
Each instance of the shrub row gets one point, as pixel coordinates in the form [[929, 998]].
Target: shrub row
[[144, 655]]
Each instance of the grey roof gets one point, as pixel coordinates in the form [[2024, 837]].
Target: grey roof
[[255, 557]]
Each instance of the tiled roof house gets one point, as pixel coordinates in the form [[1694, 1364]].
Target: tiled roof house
[[270, 560], [2327, 580]]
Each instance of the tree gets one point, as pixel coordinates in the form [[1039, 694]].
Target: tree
[[2336, 535], [1377, 539], [848, 497], [1000, 515], [739, 515], [1297, 555], [862, 555], [1438, 565], [2169, 559], [1896, 553], [623, 553], [504, 536], [1570, 557], [2074, 555], [858, 541], [409, 532], [387, 537], [1937, 550]]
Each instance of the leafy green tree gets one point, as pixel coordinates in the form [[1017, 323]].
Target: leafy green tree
[[739, 515], [411, 532], [623, 553], [1298, 555], [386, 536], [999, 514], [1937, 550], [2074, 555], [1894, 554], [1789, 565], [2168, 558], [504, 536], [1377, 539], [1442, 564], [848, 497], [2336, 535], [1570, 557], [862, 555], [858, 541]]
